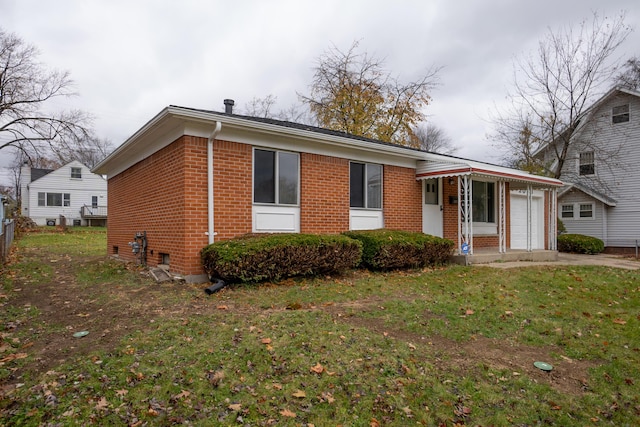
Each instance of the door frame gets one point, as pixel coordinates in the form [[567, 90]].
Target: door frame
[[432, 211]]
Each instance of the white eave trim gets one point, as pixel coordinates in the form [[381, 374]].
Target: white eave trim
[[426, 170], [231, 121]]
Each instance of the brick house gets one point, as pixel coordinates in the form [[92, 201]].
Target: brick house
[[190, 177]]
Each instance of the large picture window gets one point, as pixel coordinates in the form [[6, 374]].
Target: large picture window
[[275, 177], [483, 201], [365, 185], [54, 199]]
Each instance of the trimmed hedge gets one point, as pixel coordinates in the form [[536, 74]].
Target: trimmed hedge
[[580, 244], [390, 249], [255, 258]]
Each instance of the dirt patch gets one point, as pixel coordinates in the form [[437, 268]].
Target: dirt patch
[[67, 307]]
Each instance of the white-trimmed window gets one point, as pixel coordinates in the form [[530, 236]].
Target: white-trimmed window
[[586, 210], [620, 114], [483, 201], [587, 163], [54, 199], [365, 185], [566, 211], [76, 173], [577, 211], [276, 178]]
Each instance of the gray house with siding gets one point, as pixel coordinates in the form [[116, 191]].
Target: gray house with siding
[[601, 197]]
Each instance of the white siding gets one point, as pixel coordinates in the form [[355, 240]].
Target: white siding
[[594, 227], [617, 162], [81, 191]]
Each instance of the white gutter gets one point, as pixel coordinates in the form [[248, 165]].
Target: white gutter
[[216, 131]]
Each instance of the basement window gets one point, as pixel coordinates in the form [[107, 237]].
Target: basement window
[[115, 250], [164, 259], [620, 114]]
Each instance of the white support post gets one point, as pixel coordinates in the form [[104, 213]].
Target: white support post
[[529, 220], [465, 224], [553, 219], [502, 213], [460, 215], [469, 213]]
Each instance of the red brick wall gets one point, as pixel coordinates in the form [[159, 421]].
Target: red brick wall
[[232, 180], [166, 196], [324, 194], [402, 199], [450, 211]]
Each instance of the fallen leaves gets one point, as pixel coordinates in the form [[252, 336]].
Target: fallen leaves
[[236, 407], [102, 404], [318, 369], [619, 322], [299, 394], [14, 356], [288, 413]]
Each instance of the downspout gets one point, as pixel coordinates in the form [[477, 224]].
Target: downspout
[[216, 131]]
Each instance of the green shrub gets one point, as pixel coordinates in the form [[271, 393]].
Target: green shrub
[[390, 249], [580, 244], [255, 258], [561, 227]]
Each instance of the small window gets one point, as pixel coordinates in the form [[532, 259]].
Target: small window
[[42, 199], [275, 177], [365, 185], [587, 164], [620, 114], [94, 201], [76, 173], [586, 210], [164, 259], [567, 211], [66, 199], [431, 192]]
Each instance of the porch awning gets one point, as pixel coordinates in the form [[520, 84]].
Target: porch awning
[[439, 168]]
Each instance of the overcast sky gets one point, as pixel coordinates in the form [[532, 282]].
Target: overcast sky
[[131, 58]]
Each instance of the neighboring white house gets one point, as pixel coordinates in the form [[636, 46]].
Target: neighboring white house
[[71, 192], [602, 195]]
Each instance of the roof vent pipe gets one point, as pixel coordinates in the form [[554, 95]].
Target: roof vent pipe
[[228, 106]]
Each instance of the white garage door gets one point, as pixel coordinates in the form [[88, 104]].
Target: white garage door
[[519, 222]]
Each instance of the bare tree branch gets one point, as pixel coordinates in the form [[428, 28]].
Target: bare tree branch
[[554, 88], [26, 87]]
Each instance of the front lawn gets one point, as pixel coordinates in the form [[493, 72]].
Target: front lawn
[[446, 346]]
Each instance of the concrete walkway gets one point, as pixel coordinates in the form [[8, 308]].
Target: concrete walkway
[[576, 259]]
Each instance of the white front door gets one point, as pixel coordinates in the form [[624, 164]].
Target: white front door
[[432, 207]]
